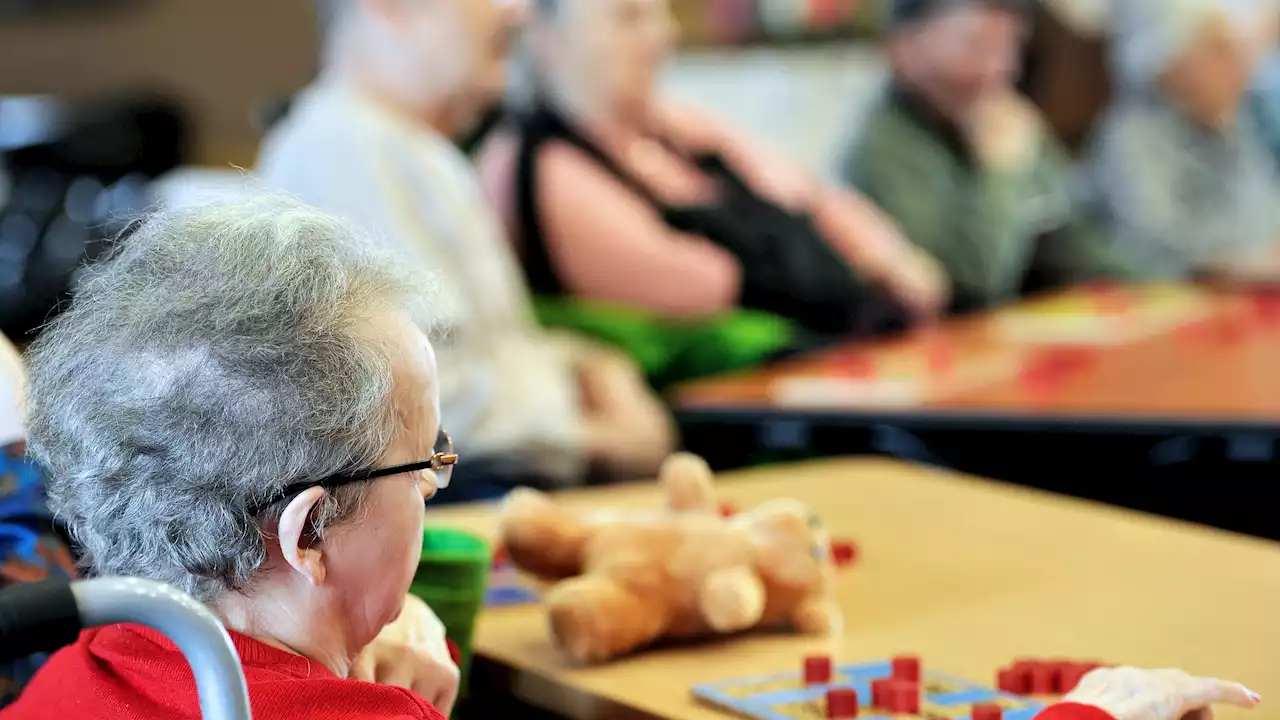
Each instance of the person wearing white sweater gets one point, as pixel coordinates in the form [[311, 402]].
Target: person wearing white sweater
[[371, 141]]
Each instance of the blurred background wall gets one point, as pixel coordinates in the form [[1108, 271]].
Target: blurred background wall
[[178, 47], [801, 98]]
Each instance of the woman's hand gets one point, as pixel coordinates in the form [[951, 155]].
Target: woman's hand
[[412, 653], [1005, 131], [629, 432], [1132, 694], [920, 283]]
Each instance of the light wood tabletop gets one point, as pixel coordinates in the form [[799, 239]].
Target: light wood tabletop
[[967, 573], [1179, 354]]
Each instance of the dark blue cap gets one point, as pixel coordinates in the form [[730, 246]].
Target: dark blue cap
[[906, 12]]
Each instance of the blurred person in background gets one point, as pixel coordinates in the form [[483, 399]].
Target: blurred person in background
[[371, 141], [1177, 162], [965, 164], [1266, 101], [30, 549], [617, 197]]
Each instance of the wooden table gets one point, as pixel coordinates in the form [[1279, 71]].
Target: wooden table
[[1134, 361], [967, 573]]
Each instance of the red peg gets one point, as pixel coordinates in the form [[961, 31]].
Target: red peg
[[904, 697], [1069, 676], [842, 703], [817, 670], [843, 552], [987, 711], [1016, 680], [906, 667], [880, 695], [1044, 679], [500, 557]]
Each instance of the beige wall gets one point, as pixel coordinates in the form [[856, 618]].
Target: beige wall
[[221, 57]]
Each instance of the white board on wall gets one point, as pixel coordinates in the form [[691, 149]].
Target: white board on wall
[[803, 101]]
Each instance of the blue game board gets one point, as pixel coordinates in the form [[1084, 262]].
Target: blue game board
[[507, 587], [783, 696]]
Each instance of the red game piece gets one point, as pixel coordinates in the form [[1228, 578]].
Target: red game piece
[[500, 558], [1266, 306], [904, 697], [906, 667], [1044, 679], [727, 509], [1070, 674], [1111, 299], [942, 358], [854, 365], [1232, 329], [817, 670], [1016, 680], [843, 552], [880, 693], [986, 711], [842, 703]]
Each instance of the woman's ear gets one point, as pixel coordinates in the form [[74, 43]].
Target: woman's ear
[[296, 540]]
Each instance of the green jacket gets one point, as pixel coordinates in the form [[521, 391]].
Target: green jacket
[[998, 234]]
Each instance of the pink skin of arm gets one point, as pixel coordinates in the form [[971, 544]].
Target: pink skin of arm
[[856, 229], [610, 245]]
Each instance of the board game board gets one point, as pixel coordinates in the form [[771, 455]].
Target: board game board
[[508, 587], [902, 376], [1104, 316], [784, 696]]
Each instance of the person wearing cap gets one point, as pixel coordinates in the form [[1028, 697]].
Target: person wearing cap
[[1177, 163], [966, 165]]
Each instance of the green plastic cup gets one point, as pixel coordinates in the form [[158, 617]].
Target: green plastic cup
[[452, 576]]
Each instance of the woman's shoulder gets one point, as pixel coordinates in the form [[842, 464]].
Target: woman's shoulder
[[690, 125], [112, 671]]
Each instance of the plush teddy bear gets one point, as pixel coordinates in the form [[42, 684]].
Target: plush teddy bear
[[627, 578]]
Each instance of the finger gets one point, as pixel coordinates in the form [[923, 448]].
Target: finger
[[1207, 691], [448, 697], [437, 683]]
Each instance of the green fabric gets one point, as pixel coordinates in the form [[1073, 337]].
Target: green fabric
[[984, 226], [673, 350]]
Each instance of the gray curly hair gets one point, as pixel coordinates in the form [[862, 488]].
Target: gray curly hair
[[218, 356]]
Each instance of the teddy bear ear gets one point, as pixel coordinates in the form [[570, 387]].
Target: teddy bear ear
[[689, 484]]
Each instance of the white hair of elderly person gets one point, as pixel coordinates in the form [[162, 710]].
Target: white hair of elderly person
[[372, 140], [240, 403], [1177, 165]]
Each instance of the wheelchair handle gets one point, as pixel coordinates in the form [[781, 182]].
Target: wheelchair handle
[[43, 617]]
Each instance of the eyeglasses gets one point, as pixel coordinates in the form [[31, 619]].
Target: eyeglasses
[[440, 463]]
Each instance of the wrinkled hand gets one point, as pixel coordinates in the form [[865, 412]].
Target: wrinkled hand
[[1005, 131], [412, 653], [1132, 694], [628, 429]]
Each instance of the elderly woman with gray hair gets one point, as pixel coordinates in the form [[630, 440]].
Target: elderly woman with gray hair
[[241, 404], [1177, 164]]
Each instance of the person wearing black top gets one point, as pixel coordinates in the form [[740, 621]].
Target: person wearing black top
[[614, 195]]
